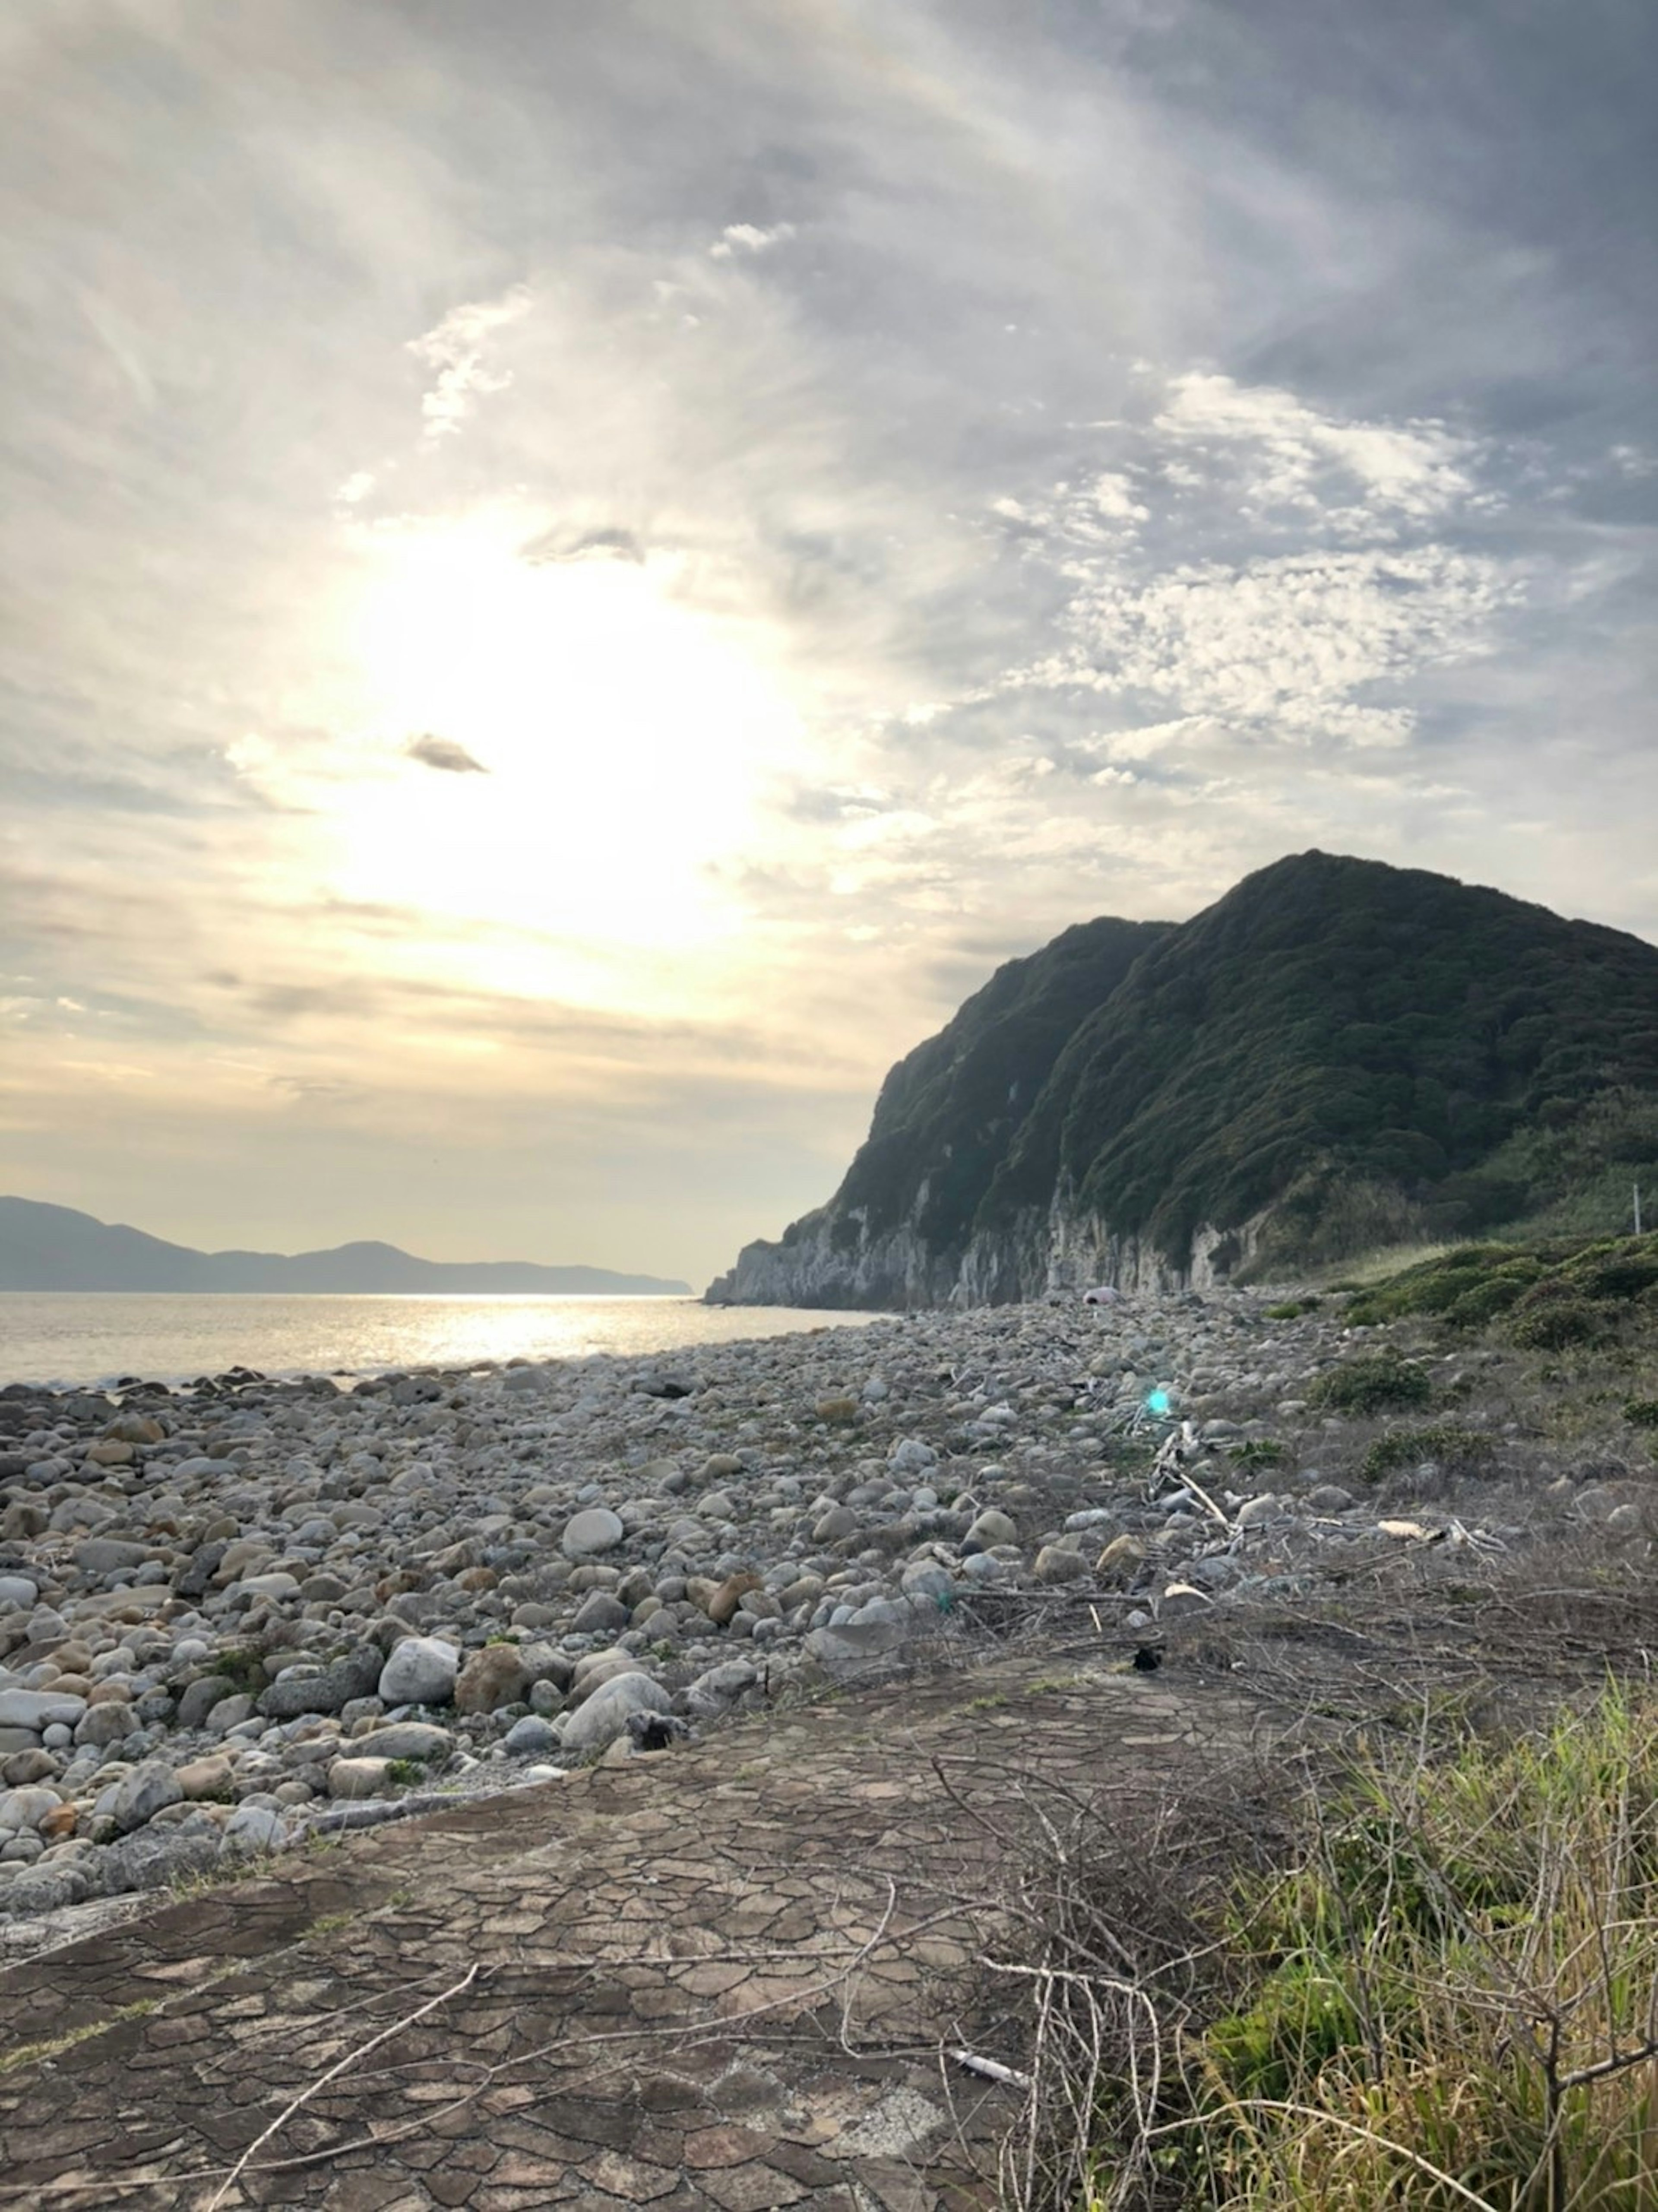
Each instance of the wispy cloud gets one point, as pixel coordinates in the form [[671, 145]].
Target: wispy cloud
[[461, 349], [869, 489]]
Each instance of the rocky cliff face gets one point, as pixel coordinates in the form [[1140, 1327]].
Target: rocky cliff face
[[1336, 1055], [833, 1261]]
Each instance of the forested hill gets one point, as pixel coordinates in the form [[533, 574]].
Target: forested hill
[[1336, 1054]]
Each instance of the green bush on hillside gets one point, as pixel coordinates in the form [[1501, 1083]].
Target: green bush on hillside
[[1375, 1383], [1556, 1294], [1553, 1314]]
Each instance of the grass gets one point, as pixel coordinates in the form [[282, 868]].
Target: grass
[[1454, 1450], [1258, 1451], [1548, 1294], [1365, 1269], [329, 1924], [53, 2046], [1445, 1996]]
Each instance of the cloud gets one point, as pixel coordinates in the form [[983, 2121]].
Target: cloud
[[460, 347], [444, 753], [747, 238], [1286, 454], [605, 543], [1283, 647], [1127, 444]]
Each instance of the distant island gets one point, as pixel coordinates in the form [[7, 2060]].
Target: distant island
[[53, 1248]]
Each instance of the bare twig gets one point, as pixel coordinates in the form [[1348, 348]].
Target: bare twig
[[340, 2067]]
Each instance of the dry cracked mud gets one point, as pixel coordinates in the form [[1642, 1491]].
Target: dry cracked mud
[[726, 1976]]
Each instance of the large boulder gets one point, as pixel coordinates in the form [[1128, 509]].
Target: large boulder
[[143, 1794], [720, 1687], [46, 1887], [110, 1555], [251, 1829], [357, 1675], [856, 1645], [39, 1709], [421, 1671], [421, 1739], [605, 1714], [198, 1700], [492, 1677], [359, 1778], [156, 1855]]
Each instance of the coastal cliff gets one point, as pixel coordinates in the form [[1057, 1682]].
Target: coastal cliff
[[1337, 1054]]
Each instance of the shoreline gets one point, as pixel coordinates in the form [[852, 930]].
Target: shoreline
[[397, 1334], [227, 1616]]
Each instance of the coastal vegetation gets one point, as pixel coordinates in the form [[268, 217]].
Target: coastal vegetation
[[1440, 1997], [1418, 1962]]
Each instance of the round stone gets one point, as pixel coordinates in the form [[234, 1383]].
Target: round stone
[[421, 1671], [592, 1532]]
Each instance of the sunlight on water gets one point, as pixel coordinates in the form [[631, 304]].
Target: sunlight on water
[[70, 1336]]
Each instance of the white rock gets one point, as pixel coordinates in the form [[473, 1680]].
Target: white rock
[[421, 1671], [909, 1456], [1257, 1512], [604, 1717], [277, 1585], [992, 1528], [22, 1811], [254, 1829], [589, 1532], [39, 1709], [359, 1778]]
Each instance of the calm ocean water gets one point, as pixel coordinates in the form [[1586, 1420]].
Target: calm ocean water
[[72, 1336]]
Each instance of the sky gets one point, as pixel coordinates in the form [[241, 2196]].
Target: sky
[[573, 577]]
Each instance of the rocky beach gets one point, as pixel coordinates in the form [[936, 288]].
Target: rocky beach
[[237, 1614]]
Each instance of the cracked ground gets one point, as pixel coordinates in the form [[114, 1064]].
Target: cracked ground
[[727, 1976]]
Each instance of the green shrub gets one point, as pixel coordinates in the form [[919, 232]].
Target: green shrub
[[1456, 1451], [1641, 1413], [1552, 1314], [1290, 1309], [1445, 2002], [1373, 1383], [1259, 1451]]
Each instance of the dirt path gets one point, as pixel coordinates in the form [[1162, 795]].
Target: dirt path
[[717, 1978]]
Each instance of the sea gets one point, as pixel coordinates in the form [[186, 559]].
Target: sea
[[93, 1338]]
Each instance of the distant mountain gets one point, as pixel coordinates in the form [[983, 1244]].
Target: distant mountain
[[1337, 1054], [53, 1248]]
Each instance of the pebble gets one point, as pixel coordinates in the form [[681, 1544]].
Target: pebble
[[242, 1615]]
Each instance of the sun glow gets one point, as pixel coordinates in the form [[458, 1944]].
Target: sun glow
[[622, 743]]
